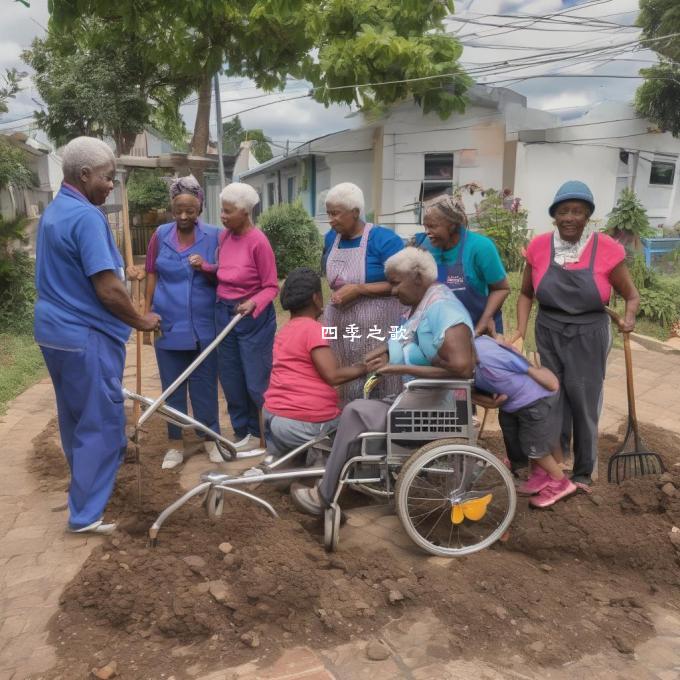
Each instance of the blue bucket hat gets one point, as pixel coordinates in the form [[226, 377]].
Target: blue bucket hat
[[573, 190]]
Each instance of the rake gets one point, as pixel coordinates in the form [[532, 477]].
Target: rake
[[630, 462]]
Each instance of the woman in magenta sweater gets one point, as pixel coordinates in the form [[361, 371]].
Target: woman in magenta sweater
[[247, 284]]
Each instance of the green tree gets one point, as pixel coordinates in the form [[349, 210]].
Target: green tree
[[628, 221], [9, 87], [95, 81], [146, 191], [293, 235], [14, 170], [233, 133], [336, 45], [657, 98]]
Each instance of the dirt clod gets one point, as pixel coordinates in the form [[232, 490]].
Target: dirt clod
[[377, 650], [110, 670]]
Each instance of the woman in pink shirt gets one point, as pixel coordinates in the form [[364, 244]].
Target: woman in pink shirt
[[571, 274], [302, 402], [246, 284]]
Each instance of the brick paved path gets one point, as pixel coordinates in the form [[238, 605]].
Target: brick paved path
[[37, 559]]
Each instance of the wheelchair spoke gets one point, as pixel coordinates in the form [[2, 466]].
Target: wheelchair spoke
[[434, 526]]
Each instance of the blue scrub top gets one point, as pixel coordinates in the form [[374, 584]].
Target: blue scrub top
[[382, 244], [184, 298], [481, 262], [74, 243]]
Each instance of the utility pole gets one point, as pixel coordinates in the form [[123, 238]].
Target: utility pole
[[287, 146], [218, 116]]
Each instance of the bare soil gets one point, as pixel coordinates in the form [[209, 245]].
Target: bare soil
[[575, 579]]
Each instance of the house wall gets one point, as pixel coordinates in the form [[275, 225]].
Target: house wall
[[589, 150], [476, 139], [542, 168]]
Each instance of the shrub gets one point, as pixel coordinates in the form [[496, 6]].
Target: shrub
[[18, 293], [294, 237], [507, 228], [628, 221], [146, 191]]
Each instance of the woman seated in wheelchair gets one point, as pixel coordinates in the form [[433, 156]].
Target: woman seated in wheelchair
[[435, 341], [529, 415], [301, 402]]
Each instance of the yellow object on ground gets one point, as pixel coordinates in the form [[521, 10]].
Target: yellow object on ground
[[474, 509]]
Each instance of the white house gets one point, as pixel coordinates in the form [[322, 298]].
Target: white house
[[498, 143], [610, 148]]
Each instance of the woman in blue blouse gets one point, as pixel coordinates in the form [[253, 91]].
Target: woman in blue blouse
[[361, 307], [186, 300]]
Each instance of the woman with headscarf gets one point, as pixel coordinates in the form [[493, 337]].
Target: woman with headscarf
[[185, 299], [467, 262], [247, 284], [361, 308], [571, 273]]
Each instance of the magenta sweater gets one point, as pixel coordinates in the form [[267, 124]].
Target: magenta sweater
[[245, 269]]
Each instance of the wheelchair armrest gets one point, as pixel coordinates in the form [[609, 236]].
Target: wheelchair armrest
[[432, 382], [372, 435]]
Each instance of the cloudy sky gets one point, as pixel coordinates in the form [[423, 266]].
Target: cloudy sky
[[581, 42]]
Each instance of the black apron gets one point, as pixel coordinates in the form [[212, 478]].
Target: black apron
[[568, 299]]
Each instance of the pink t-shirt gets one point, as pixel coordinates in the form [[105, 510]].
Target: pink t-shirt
[[609, 254], [246, 269], [296, 390]]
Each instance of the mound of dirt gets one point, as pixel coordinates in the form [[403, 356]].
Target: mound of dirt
[[567, 582]]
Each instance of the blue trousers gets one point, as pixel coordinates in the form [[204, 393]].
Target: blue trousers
[[87, 384], [245, 364], [201, 386]]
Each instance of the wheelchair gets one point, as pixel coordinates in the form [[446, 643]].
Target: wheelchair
[[452, 497]]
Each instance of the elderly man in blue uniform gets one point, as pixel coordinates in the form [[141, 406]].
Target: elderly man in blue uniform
[[82, 320]]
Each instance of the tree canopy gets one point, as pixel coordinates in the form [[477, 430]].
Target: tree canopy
[[336, 45], [96, 81], [658, 98]]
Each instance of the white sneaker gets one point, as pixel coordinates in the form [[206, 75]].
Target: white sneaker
[[97, 527], [213, 452], [172, 459], [245, 442]]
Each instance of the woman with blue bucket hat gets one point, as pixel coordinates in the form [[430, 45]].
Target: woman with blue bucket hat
[[571, 273]]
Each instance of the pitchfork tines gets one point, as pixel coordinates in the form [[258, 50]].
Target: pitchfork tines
[[630, 462]]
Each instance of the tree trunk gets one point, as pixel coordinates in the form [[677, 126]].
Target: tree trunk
[[199, 142]]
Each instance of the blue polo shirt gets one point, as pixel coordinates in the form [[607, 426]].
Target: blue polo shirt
[[382, 244], [74, 243], [481, 262]]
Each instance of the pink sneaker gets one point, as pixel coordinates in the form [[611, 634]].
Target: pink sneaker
[[537, 481], [554, 491]]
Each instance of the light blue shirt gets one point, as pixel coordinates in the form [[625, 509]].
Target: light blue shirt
[[74, 243]]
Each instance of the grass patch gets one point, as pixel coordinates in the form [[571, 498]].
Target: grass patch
[[21, 364], [510, 312]]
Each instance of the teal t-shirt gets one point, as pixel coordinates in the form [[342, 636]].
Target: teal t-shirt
[[481, 262]]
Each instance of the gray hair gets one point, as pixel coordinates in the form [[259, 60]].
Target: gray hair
[[85, 152], [241, 195], [450, 207], [411, 261], [346, 195]]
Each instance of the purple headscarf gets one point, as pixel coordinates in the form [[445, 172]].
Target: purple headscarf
[[187, 185]]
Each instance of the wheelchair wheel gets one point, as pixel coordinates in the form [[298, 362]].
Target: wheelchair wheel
[[331, 527], [214, 503], [454, 499]]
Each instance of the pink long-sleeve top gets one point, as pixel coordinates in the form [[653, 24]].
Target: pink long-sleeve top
[[245, 269]]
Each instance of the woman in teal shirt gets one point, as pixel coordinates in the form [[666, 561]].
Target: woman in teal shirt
[[467, 262]]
